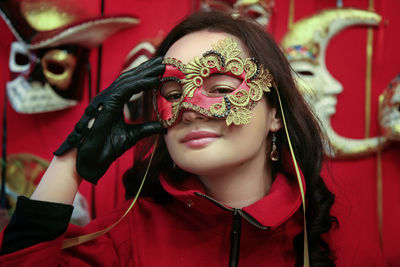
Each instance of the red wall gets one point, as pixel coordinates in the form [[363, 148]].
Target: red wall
[[346, 59]]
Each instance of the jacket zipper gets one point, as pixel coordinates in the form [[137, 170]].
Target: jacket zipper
[[251, 220], [235, 239], [241, 212], [213, 201], [236, 228]]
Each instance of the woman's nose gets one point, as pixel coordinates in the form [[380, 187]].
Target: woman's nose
[[190, 116]]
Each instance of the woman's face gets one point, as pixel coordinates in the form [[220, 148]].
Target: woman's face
[[207, 146]]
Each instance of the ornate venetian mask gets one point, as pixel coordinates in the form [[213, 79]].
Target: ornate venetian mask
[[389, 110], [190, 86], [45, 79]]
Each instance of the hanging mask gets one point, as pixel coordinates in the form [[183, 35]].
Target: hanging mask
[[196, 86], [47, 62], [389, 110], [139, 54], [45, 79], [305, 46], [259, 10]]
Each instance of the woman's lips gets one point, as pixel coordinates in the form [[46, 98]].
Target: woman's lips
[[199, 139]]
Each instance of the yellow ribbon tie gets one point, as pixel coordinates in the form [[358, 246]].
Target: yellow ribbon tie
[[73, 241]]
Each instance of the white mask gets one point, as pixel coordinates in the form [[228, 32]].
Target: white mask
[[44, 80]]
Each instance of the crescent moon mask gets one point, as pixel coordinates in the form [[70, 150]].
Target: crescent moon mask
[[305, 47]]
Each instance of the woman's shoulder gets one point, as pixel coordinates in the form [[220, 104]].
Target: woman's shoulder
[[120, 225], [123, 212]]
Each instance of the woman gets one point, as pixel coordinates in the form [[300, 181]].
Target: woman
[[222, 188]]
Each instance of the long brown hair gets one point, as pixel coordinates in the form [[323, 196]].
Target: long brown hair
[[303, 128]]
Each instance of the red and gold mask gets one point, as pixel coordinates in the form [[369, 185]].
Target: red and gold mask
[[187, 86]]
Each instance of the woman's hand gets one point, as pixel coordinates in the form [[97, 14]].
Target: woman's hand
[[102, 135]]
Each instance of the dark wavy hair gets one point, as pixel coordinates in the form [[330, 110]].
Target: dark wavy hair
[[305, 134]]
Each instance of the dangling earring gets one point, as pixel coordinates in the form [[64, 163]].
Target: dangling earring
[[274, 151], [173, 164]]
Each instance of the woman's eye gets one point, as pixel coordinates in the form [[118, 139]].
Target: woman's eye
[[219, 85], [220, 91], [171, 91], [173, 96]]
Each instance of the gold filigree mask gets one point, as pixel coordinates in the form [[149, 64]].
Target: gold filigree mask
[[193, 86]]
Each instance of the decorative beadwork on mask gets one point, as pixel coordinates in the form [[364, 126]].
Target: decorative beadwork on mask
[[306, 52], [225, 58], [168, 79], [174, 62]]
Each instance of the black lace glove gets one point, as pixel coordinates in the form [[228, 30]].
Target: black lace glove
[[109, 137]]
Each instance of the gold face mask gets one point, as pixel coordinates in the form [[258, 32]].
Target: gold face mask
[[58, 68], [190, 87]]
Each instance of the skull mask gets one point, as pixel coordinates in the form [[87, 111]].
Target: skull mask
[[389, 110], [46, 79]]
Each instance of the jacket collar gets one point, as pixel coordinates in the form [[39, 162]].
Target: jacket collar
[[282, 201]]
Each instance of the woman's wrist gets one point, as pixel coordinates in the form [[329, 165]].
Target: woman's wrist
[[61, 181]]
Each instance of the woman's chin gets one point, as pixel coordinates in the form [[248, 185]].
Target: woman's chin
[[204, 167]]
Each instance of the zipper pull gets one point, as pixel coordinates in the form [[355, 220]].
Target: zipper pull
[[235, 239]]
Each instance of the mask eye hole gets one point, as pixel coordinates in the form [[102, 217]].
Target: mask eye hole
[[220, 91], [21, 59], [253, 14], [219, 85], [58, 68], [171, 91], [305, 73], [55, 67]]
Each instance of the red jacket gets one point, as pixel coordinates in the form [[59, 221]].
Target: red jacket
[[193, 230]]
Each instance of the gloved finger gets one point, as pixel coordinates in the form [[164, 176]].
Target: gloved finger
[[150, 64], [127, 89], [154, 71], [140, 131], [151, 68], [128, 80], [86, 121]]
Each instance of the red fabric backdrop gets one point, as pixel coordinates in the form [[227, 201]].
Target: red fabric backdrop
[[346, 60]]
